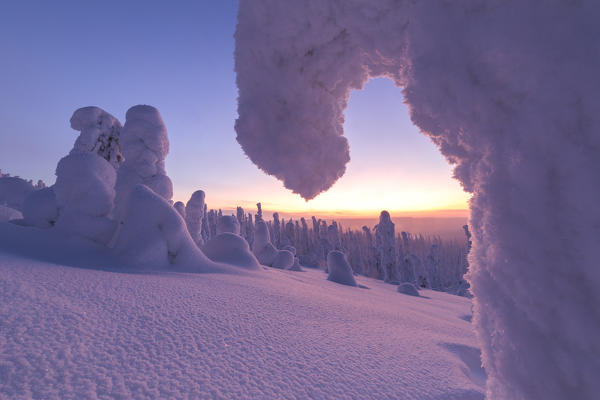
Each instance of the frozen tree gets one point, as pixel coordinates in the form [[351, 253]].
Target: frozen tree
[[333, 236], [84, 191], [212, 223], [249, 230], [283, 260], [339, 269], [228, 223], [145, 145], [99, 134], [262, 247], [275, 239], [384, 241], [259, 212], [194, 215]]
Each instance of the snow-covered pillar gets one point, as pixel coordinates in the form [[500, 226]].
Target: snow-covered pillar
[[194, 214], [384, 239], [145, 145]]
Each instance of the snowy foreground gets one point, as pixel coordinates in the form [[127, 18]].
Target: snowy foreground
[[77, 328]]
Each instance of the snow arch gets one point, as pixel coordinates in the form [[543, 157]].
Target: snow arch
[[508, 91]]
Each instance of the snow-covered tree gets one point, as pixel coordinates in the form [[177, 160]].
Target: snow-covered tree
[[384, 239], [145, 145], [99, 134], [194, 215]]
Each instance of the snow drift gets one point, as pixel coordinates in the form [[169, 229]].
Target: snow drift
[[508, 91]]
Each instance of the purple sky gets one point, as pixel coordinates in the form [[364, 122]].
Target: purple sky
[[59, 56]]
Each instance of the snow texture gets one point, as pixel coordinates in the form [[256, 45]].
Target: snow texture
[[232, 249], [40, 208], [508, 91], [339, 269], [84, 191], [145, 145], [154, 237], [99, 134], [80, 333], [408, 288]]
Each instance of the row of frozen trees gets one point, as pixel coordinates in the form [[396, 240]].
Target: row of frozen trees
[[427, 261]]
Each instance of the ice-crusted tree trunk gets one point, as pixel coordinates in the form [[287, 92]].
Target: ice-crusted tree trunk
[[194, 215]]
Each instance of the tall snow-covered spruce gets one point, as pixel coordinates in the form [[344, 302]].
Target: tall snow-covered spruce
[[511, 103], [145, 146]]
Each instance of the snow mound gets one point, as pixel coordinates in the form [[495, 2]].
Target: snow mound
[[154, 236], [13, 191], [339, 269], [84, 191], [99, 134], [408, 288], [8, 214], [290, 248], [296, 266], [145, 145], [232, 249], [40, 208], [283, 260]]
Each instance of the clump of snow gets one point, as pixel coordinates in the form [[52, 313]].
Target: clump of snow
[[232, 249], [154, 236], [515, 115], [145, 145], [283, 260], [99, 134], [408, 288], [40, 208], [84, 191], [228, 223], [13, 191], [339, 269], [9, 214], [296, 266], [194, 215]]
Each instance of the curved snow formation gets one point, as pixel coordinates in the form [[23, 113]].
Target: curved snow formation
[[230, 248], [145, 146], [508, 91], [154, 236], [339, 269]]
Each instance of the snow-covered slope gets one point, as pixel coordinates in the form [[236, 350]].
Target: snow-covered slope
[[73, 332]]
